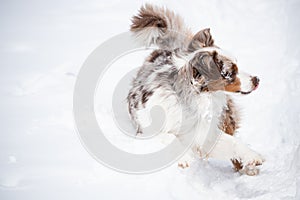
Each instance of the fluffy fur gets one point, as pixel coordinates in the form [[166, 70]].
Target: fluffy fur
[[191, 79]]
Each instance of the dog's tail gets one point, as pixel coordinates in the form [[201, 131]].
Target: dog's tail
[[161, 27]]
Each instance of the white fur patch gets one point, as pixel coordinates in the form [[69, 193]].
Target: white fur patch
[[179, 61], [246, 82], [170, 106]]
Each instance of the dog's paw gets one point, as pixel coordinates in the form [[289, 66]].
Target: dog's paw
[[250, 164], [254, 159], [183, 164], [251, 170]]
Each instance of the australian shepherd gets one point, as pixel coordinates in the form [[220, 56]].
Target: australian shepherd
[[192, 79]]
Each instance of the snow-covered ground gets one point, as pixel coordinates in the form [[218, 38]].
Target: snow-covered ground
[[42, 47]]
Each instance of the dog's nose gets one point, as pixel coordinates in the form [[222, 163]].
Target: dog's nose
[[255, 81]]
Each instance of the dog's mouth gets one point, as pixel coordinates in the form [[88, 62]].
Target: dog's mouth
[[255, 83], [248, 85], [248, 92], [244, 93]]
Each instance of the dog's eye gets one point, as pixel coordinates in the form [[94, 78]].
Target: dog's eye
[[228, 76]]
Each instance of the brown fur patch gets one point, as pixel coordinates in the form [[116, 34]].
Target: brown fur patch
[[146, 95], [165, 54], [230, 118], [237, 164], [235, 86], [148, 17]]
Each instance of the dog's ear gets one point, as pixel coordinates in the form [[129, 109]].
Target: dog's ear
[[205, 71], [205, 64], [201, 39], [219, 63]]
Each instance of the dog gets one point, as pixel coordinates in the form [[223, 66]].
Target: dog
[[192, 79]]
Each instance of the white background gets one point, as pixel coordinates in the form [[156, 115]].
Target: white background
[[44, 43]]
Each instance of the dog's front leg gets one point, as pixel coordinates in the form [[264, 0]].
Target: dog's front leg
[[244, 159]]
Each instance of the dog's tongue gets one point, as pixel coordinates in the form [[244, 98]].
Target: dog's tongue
[[255, 87]]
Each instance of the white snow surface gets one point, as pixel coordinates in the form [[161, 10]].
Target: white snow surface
[[42, 47]]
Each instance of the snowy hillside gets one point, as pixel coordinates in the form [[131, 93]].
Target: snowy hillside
[[42, 47]]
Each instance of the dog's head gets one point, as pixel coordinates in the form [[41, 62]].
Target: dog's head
[[209, 69]]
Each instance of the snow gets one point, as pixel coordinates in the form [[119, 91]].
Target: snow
[[42, 47]]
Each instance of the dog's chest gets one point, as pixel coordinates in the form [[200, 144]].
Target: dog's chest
[[180, 117]]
